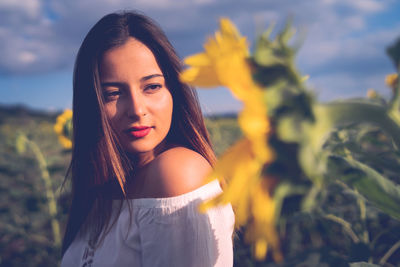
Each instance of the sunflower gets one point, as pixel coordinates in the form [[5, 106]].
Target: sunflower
[[391, 80], [224, 62], [63, 128]]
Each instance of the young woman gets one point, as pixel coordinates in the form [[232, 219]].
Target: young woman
[[140, 156]]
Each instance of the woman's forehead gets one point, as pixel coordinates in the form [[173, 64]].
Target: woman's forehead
[[132, 59]]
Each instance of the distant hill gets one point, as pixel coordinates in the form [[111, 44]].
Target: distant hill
[[24, 111], [10, 112]]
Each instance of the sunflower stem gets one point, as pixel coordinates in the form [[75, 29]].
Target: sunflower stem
[[394, 107], [51, 201], [389, 253], [346, 226]]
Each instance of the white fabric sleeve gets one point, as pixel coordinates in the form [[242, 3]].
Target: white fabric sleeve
[[180, 236]]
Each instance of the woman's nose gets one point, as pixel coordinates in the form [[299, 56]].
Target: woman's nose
[[136, 105]]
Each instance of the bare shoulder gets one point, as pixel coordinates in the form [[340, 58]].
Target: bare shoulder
[[177, 171]]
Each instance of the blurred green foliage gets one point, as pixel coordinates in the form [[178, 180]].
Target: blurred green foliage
[[224, 131], [309, 239], [26, 237]]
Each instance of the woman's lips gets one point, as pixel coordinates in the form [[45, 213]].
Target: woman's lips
[[139, 131]]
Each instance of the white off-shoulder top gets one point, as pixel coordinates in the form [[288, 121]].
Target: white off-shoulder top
[[167, 232]]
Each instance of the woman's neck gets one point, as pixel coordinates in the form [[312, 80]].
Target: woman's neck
[[140, 160]]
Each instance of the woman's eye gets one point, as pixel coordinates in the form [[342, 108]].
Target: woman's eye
[[152, 87], [111, 95]]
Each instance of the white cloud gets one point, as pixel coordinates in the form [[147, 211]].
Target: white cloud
[[355, 22], [204, 2], [342, 53], [54, 42], [27, 7], [368, 6], [351, 51], [26, 57]]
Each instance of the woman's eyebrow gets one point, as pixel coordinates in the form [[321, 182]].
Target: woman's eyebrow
[[148, 77], [111, 84], [119, 84]]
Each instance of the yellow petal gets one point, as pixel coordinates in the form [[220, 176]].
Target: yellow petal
[[68, 113], [239, 168], [61, 119], [227, 28], [189, 75], [233, 156], [203, 77], [58, 128], [61, 122], [371, 94], [198, 60], [223, 61], [305, 78], [391, 80], [263, 206], [254, 122], [260, 249]]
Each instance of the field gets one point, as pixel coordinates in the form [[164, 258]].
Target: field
[[26, 230], [26, 237]]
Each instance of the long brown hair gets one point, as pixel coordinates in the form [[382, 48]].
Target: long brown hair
[[97, 157]]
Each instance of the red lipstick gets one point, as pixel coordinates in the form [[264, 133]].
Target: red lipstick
[[138, 131]]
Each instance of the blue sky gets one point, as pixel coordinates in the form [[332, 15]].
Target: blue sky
[[343, 51]]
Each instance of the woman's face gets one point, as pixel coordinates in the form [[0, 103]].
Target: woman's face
[[137, 101]]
